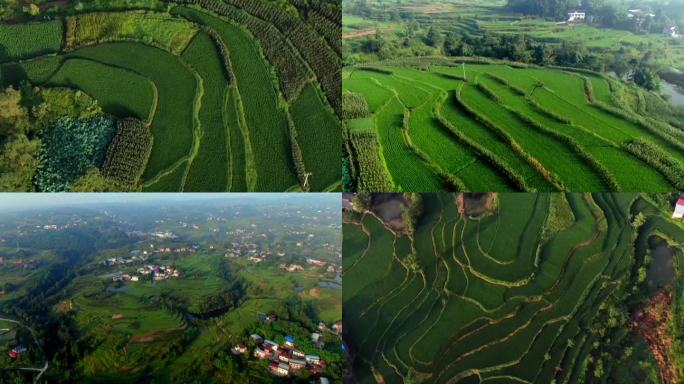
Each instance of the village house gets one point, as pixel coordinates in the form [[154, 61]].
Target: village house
[[313, 359], [256, 338], [289, 341], [281, 369], [317, 339], [260, 353], [679, 209], [17, 352], [298, 354], [337, 327], [297, 364], [576, 16], [269, 344], [291, 267], [671, 30], [284, 356], [315, 262], [239, 349]]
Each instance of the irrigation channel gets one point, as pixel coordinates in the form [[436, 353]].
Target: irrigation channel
[[35, 340]]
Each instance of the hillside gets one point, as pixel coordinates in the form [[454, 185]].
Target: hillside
[[430, 124], [538, 288], [238, 95]]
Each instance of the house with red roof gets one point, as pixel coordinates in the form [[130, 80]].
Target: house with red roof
[[679, 209]]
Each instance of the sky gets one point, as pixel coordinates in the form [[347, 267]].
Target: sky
[[14, 201]]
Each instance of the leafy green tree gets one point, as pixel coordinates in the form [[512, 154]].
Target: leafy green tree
[[69, 149], [433, 37], [93, 181], [14, 117], [646, 77], [18, 163]]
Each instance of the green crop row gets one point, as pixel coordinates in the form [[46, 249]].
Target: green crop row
[[319, 137], [452, 182], [654, 156], [550, 177], [548, 112], [128, 153], [608, 179], [20, 41], [482, 151], [366, 155], [354, 106], [265, 121], [150, 28], [505, 82], [120, 92], [172, 126], [321, 58], [292, 73], [487, 91], [208, 171], [671, 135]]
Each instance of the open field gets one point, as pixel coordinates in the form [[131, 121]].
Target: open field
[[238, 95], [519, 294], [483, 127]]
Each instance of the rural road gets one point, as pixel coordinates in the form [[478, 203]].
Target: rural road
[[35, 339]]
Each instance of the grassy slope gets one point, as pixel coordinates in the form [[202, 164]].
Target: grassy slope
[[433, 338]]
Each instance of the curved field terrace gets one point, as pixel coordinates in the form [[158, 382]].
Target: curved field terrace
[[439, 124], [531, 288]]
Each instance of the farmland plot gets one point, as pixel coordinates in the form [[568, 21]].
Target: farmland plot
[[505, 295], [496, 127], [239, 96]]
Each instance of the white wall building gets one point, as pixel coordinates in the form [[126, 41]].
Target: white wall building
[[576, 16]]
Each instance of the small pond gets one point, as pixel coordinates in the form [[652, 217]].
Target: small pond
[[675, 92], [330, 284], [122, 288], [661, 271]]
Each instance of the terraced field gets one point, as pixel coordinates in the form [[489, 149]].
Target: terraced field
[[239, 95], [485, 127], [509, 296]]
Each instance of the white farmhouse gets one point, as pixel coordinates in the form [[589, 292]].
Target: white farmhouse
[[576, 16], [671, 31]]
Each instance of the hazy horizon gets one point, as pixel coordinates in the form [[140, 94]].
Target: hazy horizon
[[24, 201]]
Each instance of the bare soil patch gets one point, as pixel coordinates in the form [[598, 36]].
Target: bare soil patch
[[650, 323]]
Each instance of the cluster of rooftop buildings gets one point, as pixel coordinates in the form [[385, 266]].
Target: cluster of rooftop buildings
[[286, 360], [158, 273]]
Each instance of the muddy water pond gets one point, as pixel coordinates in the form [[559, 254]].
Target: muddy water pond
[[675, 92], [661, 271]]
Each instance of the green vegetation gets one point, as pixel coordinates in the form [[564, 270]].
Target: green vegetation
[[28, 40], [96, 303], [239, 96], [535, 288], [525, 128], [69, 149], [128, 153], [120, 92], [150, 28], [209, 168]]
